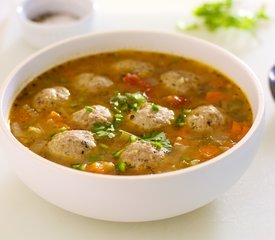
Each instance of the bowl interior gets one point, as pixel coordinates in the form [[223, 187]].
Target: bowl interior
[[89, 44]]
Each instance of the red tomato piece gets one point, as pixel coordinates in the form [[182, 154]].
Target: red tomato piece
[[135, 80]]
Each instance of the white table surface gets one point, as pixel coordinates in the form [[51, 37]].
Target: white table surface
[[246, 211]]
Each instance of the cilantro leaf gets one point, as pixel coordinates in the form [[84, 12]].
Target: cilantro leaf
[[103, 130], [219, 14], [125, 102], [158, 140]]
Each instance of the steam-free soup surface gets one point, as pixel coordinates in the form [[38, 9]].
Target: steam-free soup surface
[[130, 113]]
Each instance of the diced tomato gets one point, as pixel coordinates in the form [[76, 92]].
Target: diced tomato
[[135, 80], [176, 101]]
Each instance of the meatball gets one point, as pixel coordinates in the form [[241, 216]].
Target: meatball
[[140, 155], [179, 81], [205, 118], [73, 145], [148, 118], [143, 69], [92, 83], [86, 118], [50, 98]]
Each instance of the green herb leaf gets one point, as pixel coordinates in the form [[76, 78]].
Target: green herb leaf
[[117, 119], [181, 118], [219, 14], [89, 108], [63, 129], [155, 107], [103, 130], [121, 166], [132, 137], [158, 140], [79, 166], [127, 101], [117, 153]]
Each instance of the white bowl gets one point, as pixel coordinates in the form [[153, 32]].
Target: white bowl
[[132, 198], [42, 34]]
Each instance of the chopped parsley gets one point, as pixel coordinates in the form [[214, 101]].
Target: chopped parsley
[[155, 107], [79, 166], [125, 102], [89, 108], [121, 166], [117, 119], [103, 130], [219, 14], [158, 140], [181, 118], [117, 153]]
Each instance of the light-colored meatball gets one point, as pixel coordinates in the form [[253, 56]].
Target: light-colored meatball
[[49, 98], [205, 118], [72, 145], [139, 154], [148, 119], [143, 69], [92, 83], [86, 118], [179, 81]]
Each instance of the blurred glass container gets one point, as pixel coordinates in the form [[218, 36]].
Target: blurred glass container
[[46, 21], [4, 10]]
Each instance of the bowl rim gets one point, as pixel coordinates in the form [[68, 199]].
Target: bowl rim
[[259, 115]]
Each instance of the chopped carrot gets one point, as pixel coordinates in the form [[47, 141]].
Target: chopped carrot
[[215, 96], [55, 116], [236, 128], [239, 129], [209, 151], [56, 119], [101, 167]]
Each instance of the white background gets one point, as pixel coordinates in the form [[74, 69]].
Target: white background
[[245, 212]]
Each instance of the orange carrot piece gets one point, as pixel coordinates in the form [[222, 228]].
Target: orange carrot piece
[[209, 151], [101, 167], [215, 96], [239, 129], [236, 128], [55, 116]]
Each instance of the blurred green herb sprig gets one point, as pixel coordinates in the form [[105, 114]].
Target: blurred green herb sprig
[[220, 14]]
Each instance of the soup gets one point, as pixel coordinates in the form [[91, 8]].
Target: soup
[[130, 113]]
